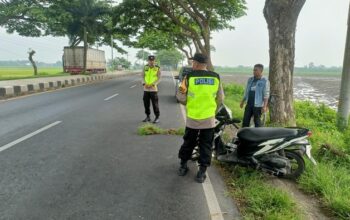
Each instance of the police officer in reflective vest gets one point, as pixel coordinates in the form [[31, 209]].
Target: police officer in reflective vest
[[150, 80], [201, 92]]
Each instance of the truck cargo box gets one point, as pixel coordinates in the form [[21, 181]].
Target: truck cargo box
[[73, 60]]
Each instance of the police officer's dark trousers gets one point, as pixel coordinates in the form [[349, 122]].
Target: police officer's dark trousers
[[191, 138], [147, 98], [249, 112]]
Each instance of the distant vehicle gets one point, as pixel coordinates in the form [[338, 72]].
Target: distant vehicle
[[73, 60], [183, 72]]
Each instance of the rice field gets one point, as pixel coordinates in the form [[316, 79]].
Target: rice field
[[9, 73]]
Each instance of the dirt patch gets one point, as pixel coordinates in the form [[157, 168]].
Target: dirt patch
[[311, 206]]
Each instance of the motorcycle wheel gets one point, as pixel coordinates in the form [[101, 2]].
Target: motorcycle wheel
[[297, 165]]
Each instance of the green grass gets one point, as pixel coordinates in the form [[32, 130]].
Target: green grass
[[332, 183], [151, 129], [256, 198], [330, 179], [10, 73], [233, 96]]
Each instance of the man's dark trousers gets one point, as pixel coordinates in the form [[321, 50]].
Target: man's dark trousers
[[249, 112], [147, 98], [191, 138]]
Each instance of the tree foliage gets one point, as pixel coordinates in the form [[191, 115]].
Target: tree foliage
[[34, 18], [189, 21], [142, 55], [120, 62], [169, 58], [25, 17]]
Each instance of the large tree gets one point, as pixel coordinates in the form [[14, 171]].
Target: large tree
[[82, 20], [148, 29], [281, 17], [87, 21], [198, 18], [193, 19], [344, 99], [25, 17]]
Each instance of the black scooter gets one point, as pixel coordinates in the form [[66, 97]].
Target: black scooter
[[278, 151]]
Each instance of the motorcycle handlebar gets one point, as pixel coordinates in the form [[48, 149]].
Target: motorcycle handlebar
[[235, 120], [229, 121]]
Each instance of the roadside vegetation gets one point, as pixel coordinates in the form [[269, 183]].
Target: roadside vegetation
[[329, 180], [256, 198], [152, 129], [10, 73]]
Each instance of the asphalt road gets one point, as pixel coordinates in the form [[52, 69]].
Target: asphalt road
[[75, 154]]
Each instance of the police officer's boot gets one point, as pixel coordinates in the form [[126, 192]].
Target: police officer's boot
[[183, 168], [147, 119], [200, 177], [156, 120]]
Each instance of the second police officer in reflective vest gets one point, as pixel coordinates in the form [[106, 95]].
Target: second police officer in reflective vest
[[150, 80]]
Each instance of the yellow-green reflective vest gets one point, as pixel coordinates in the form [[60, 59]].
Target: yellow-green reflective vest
[[201, 95], [151, 74]]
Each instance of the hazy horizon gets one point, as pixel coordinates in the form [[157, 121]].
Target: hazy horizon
[[320, 38]]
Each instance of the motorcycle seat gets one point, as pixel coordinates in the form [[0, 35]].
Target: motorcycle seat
[[263, 134]]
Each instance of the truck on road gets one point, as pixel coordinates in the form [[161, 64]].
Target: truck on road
[[73, 60]]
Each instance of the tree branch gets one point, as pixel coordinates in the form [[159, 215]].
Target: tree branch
[[191, 13], [195, 9]]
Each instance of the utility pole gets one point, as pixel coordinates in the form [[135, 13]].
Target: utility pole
[[85, 49], [112, 47]]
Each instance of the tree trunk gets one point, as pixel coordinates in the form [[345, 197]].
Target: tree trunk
[[281, 17], [344, 99], [85, 50], [196, 46], [207, 46], [31, 54], [209, 63]]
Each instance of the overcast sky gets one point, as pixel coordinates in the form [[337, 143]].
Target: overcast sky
[[320, 38]]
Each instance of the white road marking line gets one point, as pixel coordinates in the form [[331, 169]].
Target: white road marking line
[[111, 97], [13, 143], [133, 86], [212, 201]]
